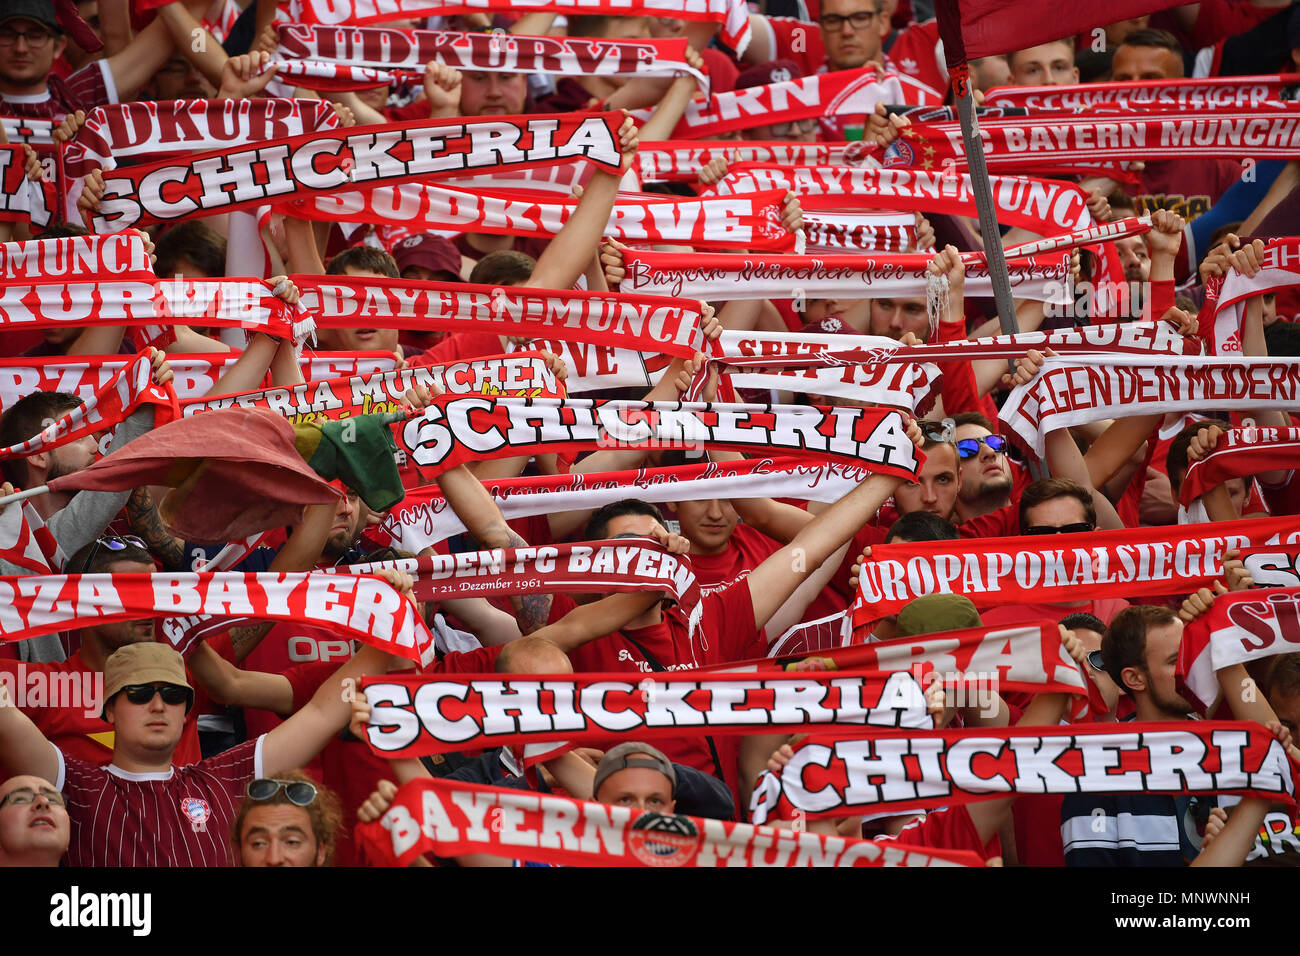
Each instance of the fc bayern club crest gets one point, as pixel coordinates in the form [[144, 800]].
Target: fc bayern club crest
[[657, 839], [898, 155], [197, 812]]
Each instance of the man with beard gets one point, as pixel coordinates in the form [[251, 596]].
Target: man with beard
[[1140, 653], [986, 477]]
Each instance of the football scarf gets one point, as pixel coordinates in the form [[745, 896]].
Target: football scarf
[[22, 200], [229, 303], [728, 276], [1241, 452], [731, 14], [392, 54], [423, 518], [1070, 392], [282, 169], [854, 92], [107, 408], [1150, 96], [841, 230], [682, 160], [26, 542], [359, 606], [1226, 296], [1025, 569], [917, 769], [751, 221], [449, 818], [1240, 627], [119, 256], [1275, 566], [637, 322], [148, 131], [417, 715], [456, 429]]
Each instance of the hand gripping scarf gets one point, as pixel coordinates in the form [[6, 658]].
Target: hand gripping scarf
[[1240, 453], [1240, 627], [1226, 296]]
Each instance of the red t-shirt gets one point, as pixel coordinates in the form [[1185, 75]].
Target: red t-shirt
[[462, 346], [178, 818], [1002, 523], [1188, 186], [83, 737], [948, 829]]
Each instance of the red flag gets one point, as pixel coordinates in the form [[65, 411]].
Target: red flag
[[26, 542]]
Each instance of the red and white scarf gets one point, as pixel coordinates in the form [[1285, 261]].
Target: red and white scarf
[[26, 542], [1276, 566], [727, 276], [506, 710], [525, 374], [126, 391], [149, 131], [229, 303], [681, 160], [22, 200], [456, 429], [1241, 627], [834, 231], [450, 818], [732, 14], [1201, 94], [387, 53], [992, 572], [120, 256], [749, 221], [195, 374], [1241, 452], [283, 169], [359, 606], [854, 92], [918, 769], [423, 518], [1226, 297], [1070, 392]]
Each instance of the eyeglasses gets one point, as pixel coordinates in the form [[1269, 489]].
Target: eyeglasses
[[970, 447], [36, 39], [299, 792], [803, 126], [1076, 528], [112, 543], [26, 796], [144, 693], [861, 19]]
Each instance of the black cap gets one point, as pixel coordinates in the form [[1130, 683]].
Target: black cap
[[42, 11]]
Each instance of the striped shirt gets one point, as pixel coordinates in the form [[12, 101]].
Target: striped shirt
[[178, 818], [89, 87]]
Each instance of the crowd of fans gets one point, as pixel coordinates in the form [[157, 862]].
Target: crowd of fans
[[241, 753]]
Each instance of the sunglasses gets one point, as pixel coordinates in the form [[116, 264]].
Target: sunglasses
[[144, 693], [112, 543], [938, 431], [299, 792], [1076, 528], [970, 447], [1095, 661]]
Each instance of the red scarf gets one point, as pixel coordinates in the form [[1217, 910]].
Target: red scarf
[[22, 200], [846, 777], [119, 255], [733, 15], [456, 429], [682, 160], [1275, 566], [512, 710], [848, 230], [292, 167], [151, 131], [423, 517], [1133, 562], [1149, 96], [1245, 626], [1226, 296], [126, 391], [26, 542], [450, 818], [752, 220], [387, 54], [727, 276], [1241, 452], [853, 92], [359, 606], [1074, 392]]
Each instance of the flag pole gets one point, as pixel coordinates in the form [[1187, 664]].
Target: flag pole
[[24, 495]]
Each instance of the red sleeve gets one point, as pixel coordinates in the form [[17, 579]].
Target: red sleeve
[[1002, 523], [729, 613], [958, 378], [480, 661], [948, 829], [305, 679], [1161, 301], [867, 536]]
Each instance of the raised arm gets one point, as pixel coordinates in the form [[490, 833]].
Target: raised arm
[[23, 748]]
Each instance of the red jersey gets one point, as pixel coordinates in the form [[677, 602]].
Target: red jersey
[[948, 829], [178, 818], [460, 347], [1187, 186], [1002, 523], [81, 736]]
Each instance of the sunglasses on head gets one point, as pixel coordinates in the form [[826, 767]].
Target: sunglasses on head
[[144, 693], [938, 431], [299, 792], [112, 543], [970, 447], [1076, 528]]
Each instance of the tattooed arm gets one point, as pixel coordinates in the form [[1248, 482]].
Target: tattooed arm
[[142, 515]]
